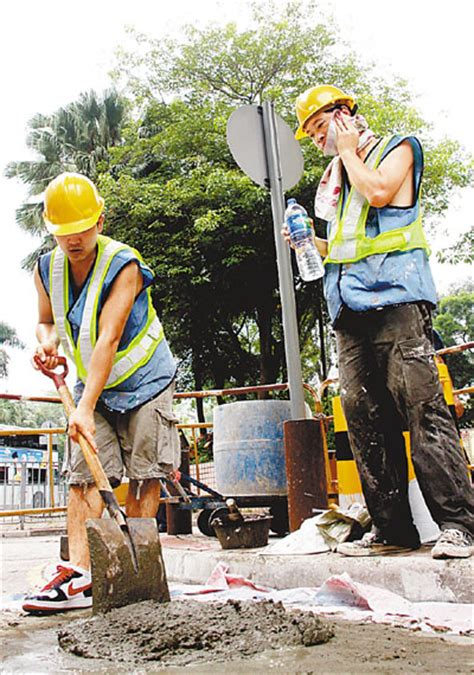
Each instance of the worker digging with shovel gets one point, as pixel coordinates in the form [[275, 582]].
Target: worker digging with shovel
[[94, 299]]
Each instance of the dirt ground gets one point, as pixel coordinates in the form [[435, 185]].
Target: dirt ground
[[204, 638]]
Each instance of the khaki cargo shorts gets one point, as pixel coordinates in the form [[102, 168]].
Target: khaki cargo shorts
[[141, 444]]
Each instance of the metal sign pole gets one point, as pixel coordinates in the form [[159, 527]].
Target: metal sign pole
[[290, 327]]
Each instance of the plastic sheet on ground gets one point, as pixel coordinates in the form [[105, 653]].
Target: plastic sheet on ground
[[306, 540], [321, 533], [338, 597]]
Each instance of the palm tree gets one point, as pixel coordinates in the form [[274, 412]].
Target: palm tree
[[8, 338], [74, 138]]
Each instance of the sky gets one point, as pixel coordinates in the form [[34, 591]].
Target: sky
[[51, 52]]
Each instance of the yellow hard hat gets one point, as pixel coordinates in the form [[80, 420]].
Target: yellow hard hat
[[314, 100], [71, 204]]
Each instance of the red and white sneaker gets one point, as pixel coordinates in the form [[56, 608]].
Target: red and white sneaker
[[70, 588]]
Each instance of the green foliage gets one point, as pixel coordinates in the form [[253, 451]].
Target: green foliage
[[4, 360], [461, 252], [172, 189], [454, 320], [455, 315], [34, 415], [31, 414], [8, 338], [205, 449], [78, 138]]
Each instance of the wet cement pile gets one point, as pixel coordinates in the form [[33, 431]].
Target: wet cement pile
[[183, 632]]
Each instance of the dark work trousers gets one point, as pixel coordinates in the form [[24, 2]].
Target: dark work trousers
[[389, 382]]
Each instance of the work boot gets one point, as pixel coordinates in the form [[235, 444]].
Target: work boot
[[372, 544], [452, 544], [70, 588]]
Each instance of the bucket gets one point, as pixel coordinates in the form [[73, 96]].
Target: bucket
[[252, 532], [249, 455]]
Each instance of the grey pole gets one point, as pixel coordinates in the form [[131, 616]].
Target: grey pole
[[290, 327]]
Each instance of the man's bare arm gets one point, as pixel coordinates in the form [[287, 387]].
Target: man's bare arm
[[113, 317], [379, 186], [46, 334]]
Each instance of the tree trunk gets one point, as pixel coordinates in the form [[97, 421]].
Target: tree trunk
[[198, 387]]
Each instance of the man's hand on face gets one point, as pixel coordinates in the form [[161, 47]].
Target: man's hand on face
[[82, 422], [347, 136], [48, 354]]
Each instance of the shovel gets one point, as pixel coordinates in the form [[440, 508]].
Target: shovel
[[126, 559]]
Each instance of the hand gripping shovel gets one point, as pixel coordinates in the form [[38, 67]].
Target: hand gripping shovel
[[126, 559]]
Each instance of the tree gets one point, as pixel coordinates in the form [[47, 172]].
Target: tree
[[172, 188], [31, 414], [205, 227], [8, 338], [461, 252], [454, 320], [34, 415], [77, 137]]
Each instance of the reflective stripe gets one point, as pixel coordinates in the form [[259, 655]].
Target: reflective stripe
[[128, 360], [347, 240], [139, 354], [87, 333], [59, 291]]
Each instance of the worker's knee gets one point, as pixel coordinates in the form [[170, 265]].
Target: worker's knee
[[84, 493], [141, 488]]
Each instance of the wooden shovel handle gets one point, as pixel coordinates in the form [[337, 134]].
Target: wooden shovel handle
[[90, 455]]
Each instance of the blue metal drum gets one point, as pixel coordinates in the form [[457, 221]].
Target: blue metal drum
[[249, 456]]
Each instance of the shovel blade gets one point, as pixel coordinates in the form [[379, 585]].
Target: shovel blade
[[115, 581]]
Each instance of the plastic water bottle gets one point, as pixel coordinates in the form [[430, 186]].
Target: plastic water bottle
[[309, 261]]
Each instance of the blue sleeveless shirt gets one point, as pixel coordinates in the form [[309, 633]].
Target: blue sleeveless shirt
[[155, 375], [383, 279]]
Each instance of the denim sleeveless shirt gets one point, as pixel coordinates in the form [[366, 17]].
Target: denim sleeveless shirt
[[155, 375], [383, 279]]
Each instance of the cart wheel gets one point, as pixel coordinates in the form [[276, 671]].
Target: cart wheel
[[203, 521], [221, 512], [280, 523]]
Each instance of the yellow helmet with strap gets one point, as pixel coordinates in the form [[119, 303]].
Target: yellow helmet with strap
[[71, 204], [314, 100]]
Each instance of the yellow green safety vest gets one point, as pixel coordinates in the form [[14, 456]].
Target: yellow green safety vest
[[347, 241], [126, 361]]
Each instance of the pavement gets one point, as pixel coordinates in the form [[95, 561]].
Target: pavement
[[415, 576], [192, 558]]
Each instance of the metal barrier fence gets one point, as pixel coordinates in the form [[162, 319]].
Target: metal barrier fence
[[38, 489], [31, 487], [53, 491], [204, 472], [26, 487]]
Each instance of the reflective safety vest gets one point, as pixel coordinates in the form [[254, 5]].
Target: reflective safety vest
[[141, 347], [348, 242]]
